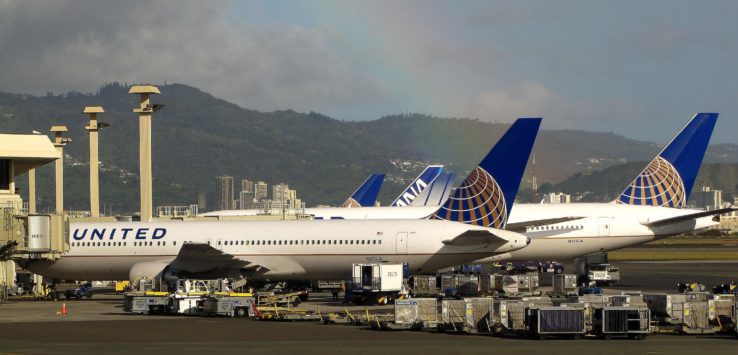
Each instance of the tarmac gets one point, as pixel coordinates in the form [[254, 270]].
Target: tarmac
[[100, 325]]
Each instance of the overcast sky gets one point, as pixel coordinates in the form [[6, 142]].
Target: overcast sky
[[638, 68]]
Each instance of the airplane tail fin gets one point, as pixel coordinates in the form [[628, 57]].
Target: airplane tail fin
[[423, 180], [667, 181], [437, 192], [366, 194], [486, 197]]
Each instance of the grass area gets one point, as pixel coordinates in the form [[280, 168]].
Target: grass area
[[695, 241], [673, 255]]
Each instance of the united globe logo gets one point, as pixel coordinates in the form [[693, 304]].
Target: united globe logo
[[479, 201], [351, 203], [658, 185]]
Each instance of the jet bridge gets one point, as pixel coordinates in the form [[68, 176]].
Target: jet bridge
[[24, 235]]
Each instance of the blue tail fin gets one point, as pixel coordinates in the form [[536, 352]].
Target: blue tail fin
[[437, 192], [366, 194], [667, 181], [418, 185], [486, 197]]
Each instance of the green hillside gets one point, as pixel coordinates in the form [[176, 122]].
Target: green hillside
[[198, 137], [607, 184]]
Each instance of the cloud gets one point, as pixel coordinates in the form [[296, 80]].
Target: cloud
[[533, 99], [79, 45]]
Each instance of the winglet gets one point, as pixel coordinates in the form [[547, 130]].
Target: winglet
[[486, 197], [418, 185], [366, 194], [667, 181]]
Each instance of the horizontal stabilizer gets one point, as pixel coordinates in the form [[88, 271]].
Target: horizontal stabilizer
[[474, 237], [521, 227], [687, 217]]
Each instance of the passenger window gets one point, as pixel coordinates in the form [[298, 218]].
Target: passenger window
[[174, 243]]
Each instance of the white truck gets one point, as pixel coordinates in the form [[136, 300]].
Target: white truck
[[380, 283], [596, 269]]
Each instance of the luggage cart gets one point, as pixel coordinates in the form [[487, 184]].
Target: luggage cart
[[557, 321], [632, 322]]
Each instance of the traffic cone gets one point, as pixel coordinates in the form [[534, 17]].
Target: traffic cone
[[64, 309]]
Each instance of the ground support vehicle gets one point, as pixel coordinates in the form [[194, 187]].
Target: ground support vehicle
[[232, 305], [150, 302], [377, 283]]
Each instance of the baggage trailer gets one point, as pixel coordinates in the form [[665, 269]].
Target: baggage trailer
[[612, 321], [478, 315], [557, 321], [423, 285], [510, 316], [460, 285], [453, 315], [414, 314], [147, 303], [721, 312], [517, 285], [234, 305], [564, 284], [487, 285], [680, 312]]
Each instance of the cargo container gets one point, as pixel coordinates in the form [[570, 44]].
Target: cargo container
[[453, 315], [633, 322], [414, 314], [721, 312], [478, 315], [487, 286], [423, 285], [515, 285], [564, 284], [680, 312], [460, 285], [557, 321]]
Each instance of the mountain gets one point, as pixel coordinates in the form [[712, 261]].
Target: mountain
[[607, 184], [198, 137]]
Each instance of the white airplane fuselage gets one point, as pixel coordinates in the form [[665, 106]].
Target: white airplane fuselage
[[299, 250], [603, 226]]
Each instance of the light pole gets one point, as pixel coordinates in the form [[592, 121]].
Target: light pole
[[93, 127], [59, 143], [144, 119]]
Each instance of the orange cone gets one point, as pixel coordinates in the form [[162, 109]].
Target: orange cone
[[64, 309]]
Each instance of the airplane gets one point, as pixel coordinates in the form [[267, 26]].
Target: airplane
[[651, 207], [306, 249], [418, 186], [366, 194]]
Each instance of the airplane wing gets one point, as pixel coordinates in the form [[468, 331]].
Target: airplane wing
[[204, 260], [687, 217], [474, 237], [521, 226]]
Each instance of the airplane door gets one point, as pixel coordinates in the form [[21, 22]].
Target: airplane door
[[219, 244], [603, 227], [401, 243]]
